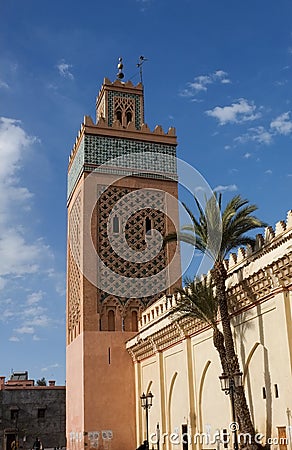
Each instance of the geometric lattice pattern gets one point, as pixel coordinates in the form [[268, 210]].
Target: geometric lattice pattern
[[122, 252], [74, 274], [74, 278]]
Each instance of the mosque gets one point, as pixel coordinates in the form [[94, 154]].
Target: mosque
[[122, 342]]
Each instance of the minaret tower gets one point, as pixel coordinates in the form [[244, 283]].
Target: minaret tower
[[122, 199]]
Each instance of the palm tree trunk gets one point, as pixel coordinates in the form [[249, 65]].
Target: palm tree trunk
[[218, 341], [219, 275]]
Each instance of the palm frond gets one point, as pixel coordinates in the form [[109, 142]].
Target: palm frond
[[216, 232], [197, 300]]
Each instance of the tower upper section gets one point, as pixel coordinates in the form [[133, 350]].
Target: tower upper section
[[120, 142], [120, 103]]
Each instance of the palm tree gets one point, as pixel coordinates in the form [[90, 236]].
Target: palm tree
[[197, 300], [216, 233]]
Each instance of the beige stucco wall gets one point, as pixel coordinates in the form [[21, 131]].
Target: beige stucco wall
[[262, 345], [181, 367]]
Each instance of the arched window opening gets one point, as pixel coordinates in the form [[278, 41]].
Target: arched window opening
[[116, 224], [148, 226], [111, 320], [119, 115], [128, 116], [134, 321]]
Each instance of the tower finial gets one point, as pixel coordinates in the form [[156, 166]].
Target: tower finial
[[120, 74]]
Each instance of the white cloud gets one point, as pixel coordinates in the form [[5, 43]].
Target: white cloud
[[24, 330], [52, 366], [261, 135], [269, 172], [257, 134], [36, 338], [59, 279], [282, 124], [7, 314], [227, 188], [238, 112], [3, 85], [13, 142], [144, 4], [34, 298], [18, 256], [28, 315], [281, 82], [201, 82], [40, 321], [36, 316], [247, 155], [64, 70], [14, 339], [25, 260], [196, 100]]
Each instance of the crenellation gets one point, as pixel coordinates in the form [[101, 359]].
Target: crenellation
[[171, 131], [87, 121], [232, 260], [122, 84], [118, 83], [101, 122], [289, 220], [248, 250], [90, 127], [158, 130], [280, 227], [129, 84], [241, 254], [269, 234], [106, 81], [259, 242], [145, 128], [201, 277], [208, 277]]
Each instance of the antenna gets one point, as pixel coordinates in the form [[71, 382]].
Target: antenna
[[142, 59]]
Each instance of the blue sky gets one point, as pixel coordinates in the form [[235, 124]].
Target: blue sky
[[220, 72]]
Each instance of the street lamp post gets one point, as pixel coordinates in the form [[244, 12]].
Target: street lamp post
[[228, 384], [146, 403]]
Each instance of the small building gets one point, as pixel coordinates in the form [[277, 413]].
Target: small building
[[28, 411]]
